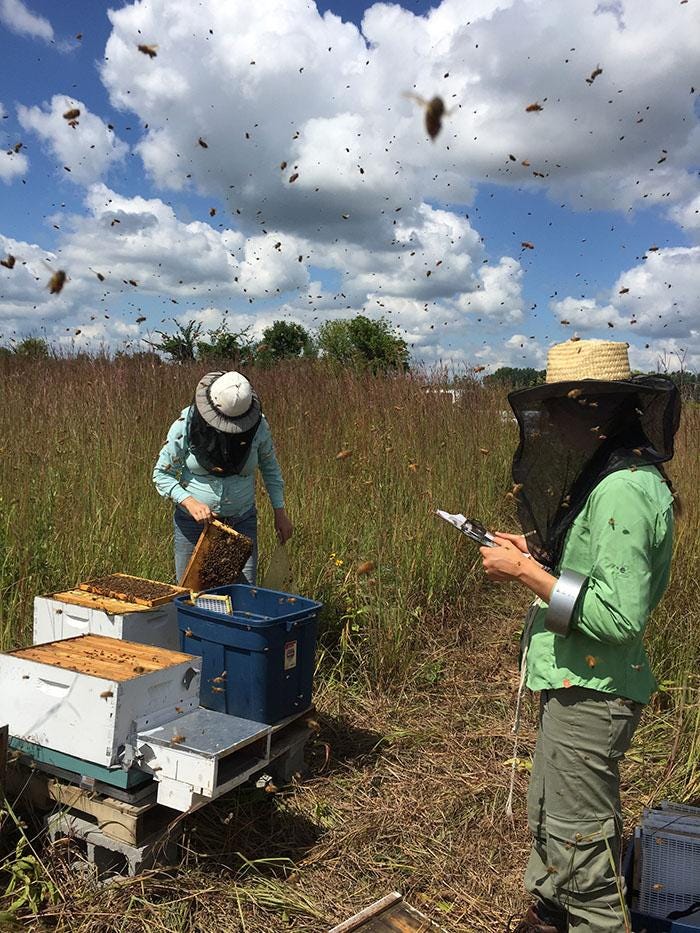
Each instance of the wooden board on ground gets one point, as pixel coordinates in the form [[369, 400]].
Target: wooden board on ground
[[212, 532], [391, 914], [112, 591], [100, 656]]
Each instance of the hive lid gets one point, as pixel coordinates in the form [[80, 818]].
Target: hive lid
[[99, 656]]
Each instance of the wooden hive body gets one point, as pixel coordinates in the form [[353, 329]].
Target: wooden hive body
[[75, 612], [87, 696]]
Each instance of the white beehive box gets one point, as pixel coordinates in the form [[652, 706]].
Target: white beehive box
[[84, 696], [66, 615]]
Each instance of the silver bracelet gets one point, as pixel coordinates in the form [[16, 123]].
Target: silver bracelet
[[563, 602]]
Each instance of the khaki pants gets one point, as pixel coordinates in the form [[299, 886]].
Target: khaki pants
[[574, 806]]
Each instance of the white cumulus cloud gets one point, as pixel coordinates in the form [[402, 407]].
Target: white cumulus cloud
[[18, 18], [85, 146]]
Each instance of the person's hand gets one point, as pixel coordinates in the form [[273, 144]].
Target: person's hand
[[198, 510], [518, 540], [502, 564], [283, 526]]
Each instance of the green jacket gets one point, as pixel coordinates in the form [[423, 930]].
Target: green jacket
[[622, 540]]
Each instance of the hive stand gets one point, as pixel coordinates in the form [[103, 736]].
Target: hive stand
[[112, 857], [127, 836]]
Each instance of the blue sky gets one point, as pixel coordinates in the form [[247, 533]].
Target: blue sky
[[618, 163]]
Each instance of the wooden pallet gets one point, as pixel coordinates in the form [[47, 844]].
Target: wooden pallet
[[391, 914], [212, 531], [131, 823], [91, 586]]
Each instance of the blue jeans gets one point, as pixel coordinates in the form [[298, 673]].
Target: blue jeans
[[187, 532]]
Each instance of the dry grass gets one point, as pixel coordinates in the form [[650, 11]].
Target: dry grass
[[417, 670]]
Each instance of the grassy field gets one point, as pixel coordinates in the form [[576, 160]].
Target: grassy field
[[417, 661]]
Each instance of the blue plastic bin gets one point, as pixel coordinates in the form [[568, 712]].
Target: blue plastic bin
[[259, 662]]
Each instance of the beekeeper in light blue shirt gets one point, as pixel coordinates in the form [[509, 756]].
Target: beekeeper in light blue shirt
[[208, 465]]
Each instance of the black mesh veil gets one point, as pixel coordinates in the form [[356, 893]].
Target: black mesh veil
[[572, 434], [216, 451]]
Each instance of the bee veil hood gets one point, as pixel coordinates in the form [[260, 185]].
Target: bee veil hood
[[590, 418]]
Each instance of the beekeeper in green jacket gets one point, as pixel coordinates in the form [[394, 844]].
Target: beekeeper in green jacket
[[596, 510]]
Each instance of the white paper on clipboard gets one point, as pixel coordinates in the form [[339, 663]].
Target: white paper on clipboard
[[467, 528]]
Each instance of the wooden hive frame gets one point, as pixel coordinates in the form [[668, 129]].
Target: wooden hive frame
[[190, 579], [91, 586]]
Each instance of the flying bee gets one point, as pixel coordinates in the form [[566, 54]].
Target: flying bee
[[534, 108], [434, 112], [8, 263], [72, 114], [57, 281], [149, 50], [177, 739], [594, 74]]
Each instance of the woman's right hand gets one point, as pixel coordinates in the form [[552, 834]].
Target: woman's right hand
[[518, 540], [198, 510]]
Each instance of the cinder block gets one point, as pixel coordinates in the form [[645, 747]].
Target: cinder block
[[110, 857]]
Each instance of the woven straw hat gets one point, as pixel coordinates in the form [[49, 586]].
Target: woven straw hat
[[603, 360]]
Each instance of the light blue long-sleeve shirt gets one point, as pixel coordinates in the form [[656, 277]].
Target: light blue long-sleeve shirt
[[177, 473]]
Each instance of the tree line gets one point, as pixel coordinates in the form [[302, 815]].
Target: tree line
[[359, 342]]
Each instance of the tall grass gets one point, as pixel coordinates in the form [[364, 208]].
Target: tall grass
[[80, 437], [417, 667]]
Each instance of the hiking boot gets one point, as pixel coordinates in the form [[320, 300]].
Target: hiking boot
[[533, 923]]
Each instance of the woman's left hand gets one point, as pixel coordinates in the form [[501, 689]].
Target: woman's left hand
[[283, 526], [503, 563]]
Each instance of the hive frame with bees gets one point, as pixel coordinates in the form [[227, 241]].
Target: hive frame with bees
[[191, 579]]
